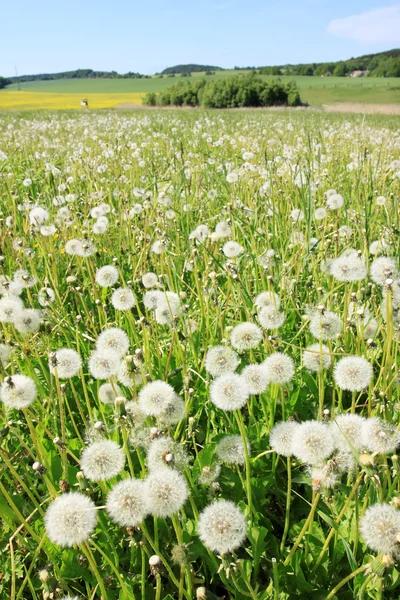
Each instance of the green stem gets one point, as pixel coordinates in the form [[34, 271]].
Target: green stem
[[242, 429], [345, 580], [288, 499]]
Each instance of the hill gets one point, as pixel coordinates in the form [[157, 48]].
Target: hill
[[190, 69], [381, 64], [77, 74]]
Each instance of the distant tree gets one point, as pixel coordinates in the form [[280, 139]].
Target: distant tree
[[341, 70], [4, 82]]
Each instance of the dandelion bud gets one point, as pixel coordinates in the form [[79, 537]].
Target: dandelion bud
[[155, 564], [44, 575], [63, 485], [59, 442]]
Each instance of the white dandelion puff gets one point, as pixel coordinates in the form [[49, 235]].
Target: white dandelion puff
[[265, 299], [155, 397], [279, 368], [102, 460], [103, 364], [108, 392], [66, 362], [312, 443], [256, 378], [126, 503], [281, 437], [347, 432], [229, 392], [353, 373], [232, 249], [166, 452], [18, 391], [383, 268], [220, 360], [166, 492], [380, 528], [230, 450], [326, 325], [379, 436], [222, 526], [27, 320], [70, 519], [113, 339], [123, 299], [107, 276], [270, 318], [317, 357], [246, 336]]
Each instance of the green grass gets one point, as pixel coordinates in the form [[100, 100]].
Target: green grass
[[314, 90], [161, 177]]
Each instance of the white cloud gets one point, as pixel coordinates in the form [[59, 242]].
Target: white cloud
[[372, 26]]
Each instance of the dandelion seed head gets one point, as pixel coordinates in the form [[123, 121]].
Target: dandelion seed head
[[102, 460], [126, 503], [229, 392], [108, 392], [27, 320], [281, 437], [70, 519], [383, 268], [220, 360], [166, 492], [317, 357], [232, 249], [103, 364], [113, 339], [10, 307], [346, 430], [279, 368], [380, 528], [265, 299], [312, 443], [66, 362], [379, 436], [222, 526], [270, 318], [155, 397], [353, 373], [325, 326], [230, 450], [256, 378], [123, 299], [107, 276], [18, 391], [246, 336], [149, 280], [166, 452]]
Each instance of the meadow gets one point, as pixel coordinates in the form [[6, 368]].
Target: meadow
[[111, 92], [200, 375]]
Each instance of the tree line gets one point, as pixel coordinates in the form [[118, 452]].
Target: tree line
[[232, 92]]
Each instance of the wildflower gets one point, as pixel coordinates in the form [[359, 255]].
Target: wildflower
[[166, 492], [229, 392], [232, 249], [222, 526], [246, 336], [380, 528], [222, 229], [325, 325], [102, 460], [123, 299], [127, 375], [10, 307], [113, 339], [66, 362], [320, 213], [108, 392], [220, 360], [126, 503], [173, 413], [349, 267], [103, 364], [281, 437], [209, 474], [155, 397], [107, 276], [279, 368], [232, 177], [46, 296], [297, 215], [24, 278], [230, 450], [267, 299], [151, 299], [312, 443], [18, 391], [166, 452], [317, 357], [38, 216], [27, 320], [149, 280], [70, 519], [379, 436], [270, 318], [383, 268], [334, 201], [256, 378], [353, 373], [5, 353], [347, 432]]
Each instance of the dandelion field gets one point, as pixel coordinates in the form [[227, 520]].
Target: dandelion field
[[200, 317]]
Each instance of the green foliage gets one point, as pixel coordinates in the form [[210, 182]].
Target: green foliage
[[231, 92], [4, 82], [189, 69]]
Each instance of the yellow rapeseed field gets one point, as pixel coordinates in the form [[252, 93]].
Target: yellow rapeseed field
[[19, 100]]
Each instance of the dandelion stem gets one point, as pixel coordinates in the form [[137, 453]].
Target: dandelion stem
[[332, 593], [242, 429]]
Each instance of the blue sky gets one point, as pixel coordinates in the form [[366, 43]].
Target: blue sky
[[44, 36]]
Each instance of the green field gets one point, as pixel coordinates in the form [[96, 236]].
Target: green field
[[314, 90]]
